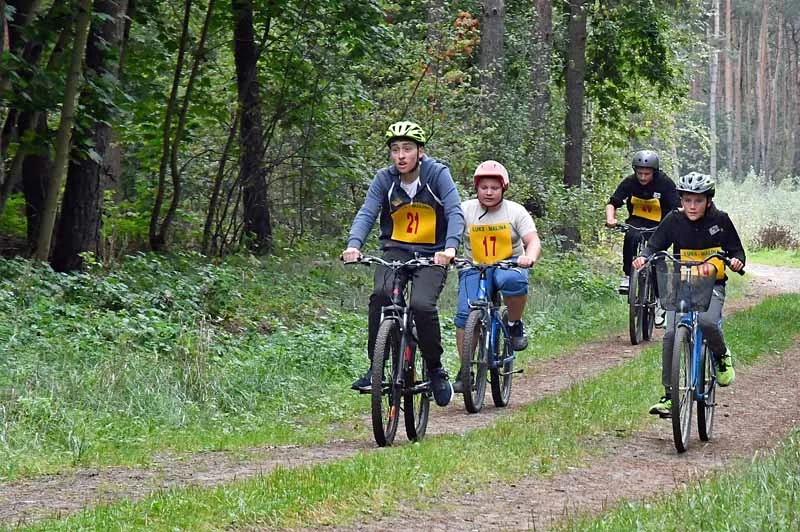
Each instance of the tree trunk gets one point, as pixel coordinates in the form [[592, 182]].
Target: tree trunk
[[158, 232], [772, 161], [491, 50], [737, 107], [575, 75], [257, 223], [87, 178], [730, 163], [64, 135], [761, 90], [712, 93], [209, 244]]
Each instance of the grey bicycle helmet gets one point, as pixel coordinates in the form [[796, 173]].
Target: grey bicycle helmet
[[645, 159], [697, 183], [405, 130]]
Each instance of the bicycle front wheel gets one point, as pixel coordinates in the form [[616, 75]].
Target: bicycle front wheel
[[474, 362], [416, 397], [707, 393], [681, 388], [636, 306], [649, 303], [385, 390], [502, 372]]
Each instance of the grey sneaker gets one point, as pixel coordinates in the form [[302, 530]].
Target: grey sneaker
[[624, 284]]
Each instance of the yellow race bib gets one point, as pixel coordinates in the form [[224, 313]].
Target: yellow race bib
[[490, 242], [700, 254], [649, 209], [414, 223]]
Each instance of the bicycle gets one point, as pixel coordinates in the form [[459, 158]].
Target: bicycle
[[397, 372], [687, 290], [642, 299], [487, 343]]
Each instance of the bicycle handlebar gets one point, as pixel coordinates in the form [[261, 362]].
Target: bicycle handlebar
[[622, 227], [505, 264], [417, 261], [716, 255]]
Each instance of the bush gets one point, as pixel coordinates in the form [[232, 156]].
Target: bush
[[775, 236]]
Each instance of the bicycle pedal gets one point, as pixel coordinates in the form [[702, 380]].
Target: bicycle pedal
[[362, 391], [520, 370], [665, 416]]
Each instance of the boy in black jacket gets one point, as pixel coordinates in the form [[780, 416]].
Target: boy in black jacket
[[649, 195], [695, 231]]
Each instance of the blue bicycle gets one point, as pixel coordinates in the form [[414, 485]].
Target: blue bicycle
[[487, 343], [686, 288]]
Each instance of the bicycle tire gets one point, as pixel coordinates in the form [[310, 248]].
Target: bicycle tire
[[707, 403], [681, 392], [474, 362], [385, 394], [649, 301], [635, 307], [416, 402], [501, 376]]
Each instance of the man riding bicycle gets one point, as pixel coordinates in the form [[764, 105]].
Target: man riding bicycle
[[649, 195], [496, 229], [420, 215]]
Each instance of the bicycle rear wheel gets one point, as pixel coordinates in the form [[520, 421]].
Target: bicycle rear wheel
[[501, 375], [681, 388], [416, 402], [474, 362], [635, 306], [708, 393], [385, 392], [649, 301]]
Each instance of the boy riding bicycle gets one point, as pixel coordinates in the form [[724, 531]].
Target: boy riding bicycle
[[496, 229], [695, 231], [649, 195], [420, 215]]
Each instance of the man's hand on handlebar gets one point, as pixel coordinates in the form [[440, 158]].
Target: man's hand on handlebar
[[638, 262], [443, 258], [351, 255], [735, 264]]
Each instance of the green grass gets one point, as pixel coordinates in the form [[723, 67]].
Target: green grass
[[174, 353], [776, 257], [540, 439]]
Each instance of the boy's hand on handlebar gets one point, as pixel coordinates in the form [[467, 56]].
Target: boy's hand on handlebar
[[351, 254], [735, 264], [443, 258], [638, 262], [524, 261]]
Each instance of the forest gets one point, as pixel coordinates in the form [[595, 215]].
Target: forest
[[135, 126]]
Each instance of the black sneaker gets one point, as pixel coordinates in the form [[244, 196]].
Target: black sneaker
[[518, 339], [441, 387], [458, 386], [363, 383]]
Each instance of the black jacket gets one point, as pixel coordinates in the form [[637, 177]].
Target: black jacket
[[649, 204]]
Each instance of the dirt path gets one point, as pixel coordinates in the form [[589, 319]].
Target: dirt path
[[647, 462]]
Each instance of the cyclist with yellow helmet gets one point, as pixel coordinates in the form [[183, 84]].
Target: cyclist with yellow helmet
[[420, 215], [695, 231]]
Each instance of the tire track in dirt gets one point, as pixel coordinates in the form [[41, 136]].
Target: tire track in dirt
[[62, 494]]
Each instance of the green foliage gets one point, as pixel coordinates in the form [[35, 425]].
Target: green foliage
[[13, 222]]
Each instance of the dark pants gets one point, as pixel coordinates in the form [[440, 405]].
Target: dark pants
[[629, 245], [428, 283]]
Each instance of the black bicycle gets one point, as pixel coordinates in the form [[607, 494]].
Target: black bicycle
[[487, 343], [642, 300], [400, 379]]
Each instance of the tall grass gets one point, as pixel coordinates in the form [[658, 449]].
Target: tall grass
[[755, 204]]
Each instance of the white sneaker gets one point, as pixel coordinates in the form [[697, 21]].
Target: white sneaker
[[660, 317], [624, 283]]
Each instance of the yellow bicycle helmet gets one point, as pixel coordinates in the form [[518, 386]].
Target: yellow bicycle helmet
[[405, 130]]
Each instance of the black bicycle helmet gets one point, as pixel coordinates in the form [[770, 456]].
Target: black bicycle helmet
[[645, 159], [696, 183]]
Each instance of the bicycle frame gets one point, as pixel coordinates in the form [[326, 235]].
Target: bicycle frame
[[492, 320], [689, 320]]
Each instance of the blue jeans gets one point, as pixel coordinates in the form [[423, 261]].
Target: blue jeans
[[513, 282]]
